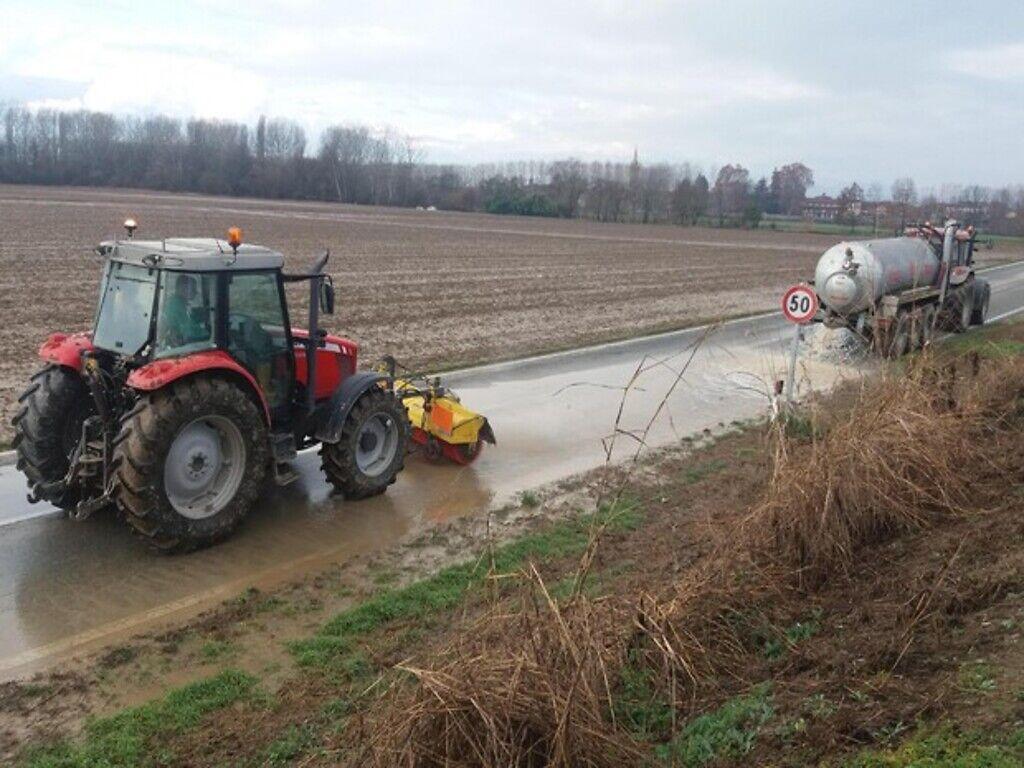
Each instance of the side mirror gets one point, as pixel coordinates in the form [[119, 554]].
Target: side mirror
[[326, 297]]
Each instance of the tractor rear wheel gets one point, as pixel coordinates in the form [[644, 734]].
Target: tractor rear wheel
[[961, 308], [189, 463], [48, 427], [371, 451]]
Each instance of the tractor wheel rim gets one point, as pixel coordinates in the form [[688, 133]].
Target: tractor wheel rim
[[376, 444], [204, 467], [966, 310]]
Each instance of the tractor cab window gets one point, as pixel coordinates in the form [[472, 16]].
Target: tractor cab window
[[185, 313], [256, 333], [126, 308]]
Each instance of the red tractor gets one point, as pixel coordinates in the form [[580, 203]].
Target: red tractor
[[193, 386]]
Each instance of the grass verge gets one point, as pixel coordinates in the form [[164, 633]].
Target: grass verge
[[133, 737], [946, 748], [334, 645]]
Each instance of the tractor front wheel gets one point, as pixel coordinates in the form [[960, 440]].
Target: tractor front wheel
[[371, 451], [190, 460]]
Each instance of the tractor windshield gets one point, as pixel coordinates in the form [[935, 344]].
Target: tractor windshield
[[126, 308]]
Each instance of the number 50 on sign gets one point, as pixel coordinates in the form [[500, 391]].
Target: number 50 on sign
[[800, 304]]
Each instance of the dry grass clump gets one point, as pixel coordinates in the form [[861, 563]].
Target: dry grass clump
[[525, 688], [699, 634], [914, 447]]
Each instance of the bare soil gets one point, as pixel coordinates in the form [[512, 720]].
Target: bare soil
[[435, 289]]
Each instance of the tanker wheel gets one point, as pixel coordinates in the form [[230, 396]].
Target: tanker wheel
[[190, 461], [47, 429], [371, 451], [919, 335], [980, 312], [899, 342], [927, 325]]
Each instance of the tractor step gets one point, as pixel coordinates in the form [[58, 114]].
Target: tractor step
[[282, 445], [284, 473]]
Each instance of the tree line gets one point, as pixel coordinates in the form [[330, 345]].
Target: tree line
[[354, 164]]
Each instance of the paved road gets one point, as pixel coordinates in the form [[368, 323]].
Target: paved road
[[66, 587]]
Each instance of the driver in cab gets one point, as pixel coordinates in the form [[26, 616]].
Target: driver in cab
[[178, 323]]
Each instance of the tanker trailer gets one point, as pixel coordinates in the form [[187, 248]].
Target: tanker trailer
[[896, 292]]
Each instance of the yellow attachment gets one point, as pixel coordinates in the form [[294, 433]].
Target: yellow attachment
[[447, 419]]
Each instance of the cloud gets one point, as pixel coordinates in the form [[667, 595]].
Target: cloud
[[176, 85], [689, 80], [1003, 62]]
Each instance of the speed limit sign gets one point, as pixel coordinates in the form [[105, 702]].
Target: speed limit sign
[[800, 304]]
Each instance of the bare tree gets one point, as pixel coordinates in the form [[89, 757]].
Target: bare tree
[[732, 186], [789, 187], [344, 151], [568, 183], [904, 195]]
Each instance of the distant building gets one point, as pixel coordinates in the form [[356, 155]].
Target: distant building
[[825, 208], [967, 212], [821, 208]]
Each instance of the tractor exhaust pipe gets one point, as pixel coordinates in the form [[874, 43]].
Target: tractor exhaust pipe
[[313, 341]]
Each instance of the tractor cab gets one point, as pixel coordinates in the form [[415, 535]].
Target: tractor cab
[[199, 301]]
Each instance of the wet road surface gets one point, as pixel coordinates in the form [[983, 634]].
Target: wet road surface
[[67, 587]]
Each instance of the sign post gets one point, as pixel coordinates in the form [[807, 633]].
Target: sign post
[[799, 305]]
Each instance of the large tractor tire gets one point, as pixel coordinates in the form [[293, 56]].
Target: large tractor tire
[[372, 448], [961, 308], [189, 463], [47, 429], [982, 299]]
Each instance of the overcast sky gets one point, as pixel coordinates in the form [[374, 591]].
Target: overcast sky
[[864, 90]]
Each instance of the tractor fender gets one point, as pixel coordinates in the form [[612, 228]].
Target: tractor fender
[[160, 373], [66, 349], [330, 417]]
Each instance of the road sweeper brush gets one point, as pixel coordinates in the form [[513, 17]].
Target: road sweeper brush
[[438, 420]]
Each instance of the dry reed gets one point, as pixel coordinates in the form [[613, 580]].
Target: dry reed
[[914, 447]]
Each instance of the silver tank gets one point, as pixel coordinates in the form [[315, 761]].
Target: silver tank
[[852, 276]]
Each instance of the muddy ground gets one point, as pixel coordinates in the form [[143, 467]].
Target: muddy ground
[[435, 289]]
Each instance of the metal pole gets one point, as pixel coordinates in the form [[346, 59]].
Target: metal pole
[[312, 343], [793, 349]]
